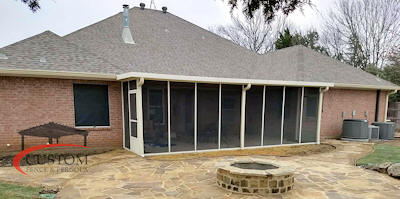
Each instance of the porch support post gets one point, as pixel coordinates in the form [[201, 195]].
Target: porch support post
[[321, 96], [169, 115], [387, 103], [301, 113], [219, 115], [283, 112], [195, 116], [139, 115], [243, 115], [386, 106], [263, 118]]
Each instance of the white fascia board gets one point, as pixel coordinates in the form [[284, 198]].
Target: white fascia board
[[365, 87], [56, 74], [218, 80]]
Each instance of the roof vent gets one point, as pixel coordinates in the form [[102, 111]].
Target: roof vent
[[126, 31], [43, 60], [164, 9], [3, 56], [142, 5]]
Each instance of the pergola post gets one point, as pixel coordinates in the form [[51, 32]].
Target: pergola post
[[84, 140], [22, 143]]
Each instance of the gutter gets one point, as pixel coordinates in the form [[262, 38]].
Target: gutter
[[57, 74], [366, 87], [219, 80]]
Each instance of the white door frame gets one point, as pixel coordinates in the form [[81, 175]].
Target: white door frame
[[136, 143]]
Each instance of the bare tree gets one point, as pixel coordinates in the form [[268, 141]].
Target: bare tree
[[363, 32], [254, 33]]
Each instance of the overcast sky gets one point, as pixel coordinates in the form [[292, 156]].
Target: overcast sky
[[17, 22]]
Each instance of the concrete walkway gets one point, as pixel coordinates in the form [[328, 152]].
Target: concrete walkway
[[121, 174]]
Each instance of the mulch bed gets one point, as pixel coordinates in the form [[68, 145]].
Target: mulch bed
[[270, 151]]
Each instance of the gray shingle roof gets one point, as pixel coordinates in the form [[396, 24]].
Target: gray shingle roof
[[167, 44], [48, 51]]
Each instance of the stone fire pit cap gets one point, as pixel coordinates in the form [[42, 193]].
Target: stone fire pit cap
[[280, 171]]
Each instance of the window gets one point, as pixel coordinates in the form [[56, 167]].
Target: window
[[91, 105]]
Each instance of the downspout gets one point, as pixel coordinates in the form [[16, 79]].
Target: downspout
[[243, 114], [377, 103], [321, 95], [141, 82], [387, 103]]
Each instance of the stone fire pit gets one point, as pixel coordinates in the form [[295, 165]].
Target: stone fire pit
[[255, 177]]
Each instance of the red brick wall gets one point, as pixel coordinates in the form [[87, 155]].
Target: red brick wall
[[28, 102], [336, 101]]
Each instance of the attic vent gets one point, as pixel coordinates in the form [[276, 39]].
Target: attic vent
[[142, 5], [164, 9], [126, 31], [3, 56], [43, 60]]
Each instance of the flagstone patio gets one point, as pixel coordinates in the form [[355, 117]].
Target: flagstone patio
[[121, 174]]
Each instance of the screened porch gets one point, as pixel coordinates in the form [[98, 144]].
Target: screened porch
[[173, 117]]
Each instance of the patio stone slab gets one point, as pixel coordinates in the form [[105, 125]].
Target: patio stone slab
[[122, 174]]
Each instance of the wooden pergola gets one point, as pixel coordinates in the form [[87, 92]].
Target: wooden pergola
[[52, 130]]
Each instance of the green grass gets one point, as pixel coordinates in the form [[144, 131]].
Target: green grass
[[383, 153], [18, 191]]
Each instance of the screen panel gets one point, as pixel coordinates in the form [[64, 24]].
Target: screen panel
[[230, 116], [207, 116], [182, 116], [273, 115], [291, 127], [127, 142], [310, 115], [254, 106], [155, 116]]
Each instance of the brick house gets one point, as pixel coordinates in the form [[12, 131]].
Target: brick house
[[151, 82]]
